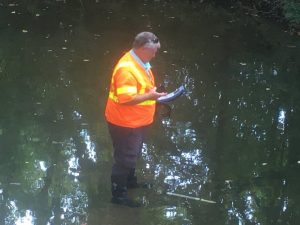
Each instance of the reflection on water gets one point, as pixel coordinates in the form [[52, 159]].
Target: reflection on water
[[74, 206], [231, 138], [25, 218], [281, 120], [28, 219], [90, 145]]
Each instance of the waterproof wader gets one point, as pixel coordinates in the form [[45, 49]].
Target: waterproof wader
[[127, 144]]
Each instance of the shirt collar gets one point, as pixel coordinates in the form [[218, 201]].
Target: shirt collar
[[146, 65]]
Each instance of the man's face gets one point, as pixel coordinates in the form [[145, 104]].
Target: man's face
[[149, 53]]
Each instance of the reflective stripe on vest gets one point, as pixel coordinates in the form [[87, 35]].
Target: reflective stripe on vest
[[126, 89], [147, 102]]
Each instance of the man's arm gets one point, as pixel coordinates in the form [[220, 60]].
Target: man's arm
[[151, 95]]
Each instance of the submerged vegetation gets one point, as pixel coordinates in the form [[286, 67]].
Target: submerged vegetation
[[287, 11], [292, 11]]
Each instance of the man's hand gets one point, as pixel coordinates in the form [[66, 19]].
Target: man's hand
[[151, 95]]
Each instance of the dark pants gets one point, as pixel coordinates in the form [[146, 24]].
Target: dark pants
[[127, 144]]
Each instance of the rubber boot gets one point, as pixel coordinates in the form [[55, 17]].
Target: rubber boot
[[132, 181], [119, 192]]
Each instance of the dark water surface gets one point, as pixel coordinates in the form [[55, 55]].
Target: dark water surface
[[232, 138]]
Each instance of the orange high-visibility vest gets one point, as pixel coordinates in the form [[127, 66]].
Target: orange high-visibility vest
[[128, 80]]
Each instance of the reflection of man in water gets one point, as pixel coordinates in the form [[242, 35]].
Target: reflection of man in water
[[129, 110]]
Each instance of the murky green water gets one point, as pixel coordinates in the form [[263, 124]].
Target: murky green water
[[232, 138]]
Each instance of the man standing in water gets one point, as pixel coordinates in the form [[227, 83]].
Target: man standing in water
[[129, 110]]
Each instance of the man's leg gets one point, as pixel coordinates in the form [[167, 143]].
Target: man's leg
[[119, 187], [127, 143], [132, 179]]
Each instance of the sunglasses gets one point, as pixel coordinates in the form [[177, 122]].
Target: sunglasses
[[155, 41]]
